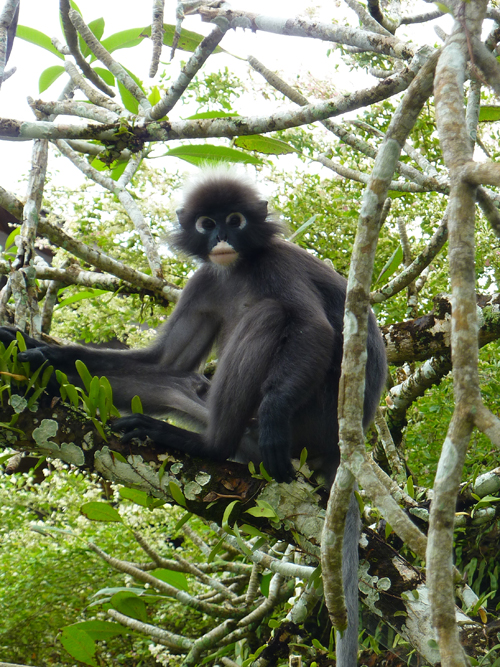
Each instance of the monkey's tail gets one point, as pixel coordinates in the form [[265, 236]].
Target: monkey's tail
[[347, 645]]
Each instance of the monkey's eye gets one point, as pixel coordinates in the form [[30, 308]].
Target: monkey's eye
[[236, 220], [204, 224]]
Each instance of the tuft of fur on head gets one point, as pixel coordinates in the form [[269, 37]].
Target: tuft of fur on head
[[219, 189]]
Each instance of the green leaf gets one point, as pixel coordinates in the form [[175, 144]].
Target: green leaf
[[227, 514], [95, 387], [21, 343], [264, 584], [198, 154], [80, 296], [388, 530], [305, 225], [215, 550], [48, 76], [108, 389], [96, 511], [263, 509], [251, 530], [129, 101], [264, 473], [212, 114], [102, 404], [391, 265], [105, 75], [489, 113], [184, 519], [12, 237], [161, 471], [177, 494], [111, 590], [118, 456], [241, 542], [303, 457], [79, 644], [154, 96], [125, 39], [100, 630], [443, 8], [136, 496], [38, 38], [136, 405], [267, 145], [131, 605], [47, 374], [176, 579], [83, 373], [117, 171], [5, 457], [99, 428]]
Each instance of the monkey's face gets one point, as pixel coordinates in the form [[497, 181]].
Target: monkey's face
[[223, 236], [223, 220]]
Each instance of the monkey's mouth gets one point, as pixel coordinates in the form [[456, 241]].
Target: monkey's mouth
[[223, 254]]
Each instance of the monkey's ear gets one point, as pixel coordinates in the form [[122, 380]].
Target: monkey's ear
[[179, 213], [262, 207]]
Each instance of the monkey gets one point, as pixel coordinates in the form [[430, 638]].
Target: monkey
[[274, 313]]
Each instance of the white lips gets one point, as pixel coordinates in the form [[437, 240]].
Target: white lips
[[223, 254]]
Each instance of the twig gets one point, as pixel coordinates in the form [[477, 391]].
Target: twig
[[72, 41], [8, 25], [93, 95], [157, 35], [164, 637], [188, 72], [101, 54]]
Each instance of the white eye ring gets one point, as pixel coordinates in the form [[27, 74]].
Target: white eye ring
[[236, 220], [205, 224]]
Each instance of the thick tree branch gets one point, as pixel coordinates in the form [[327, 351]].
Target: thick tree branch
[[143, 131]]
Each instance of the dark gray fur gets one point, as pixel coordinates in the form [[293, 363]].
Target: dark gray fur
[[276, 318]]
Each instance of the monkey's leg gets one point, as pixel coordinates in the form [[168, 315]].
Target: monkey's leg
[[296, 373], [162, 391], [233, 397], [236, 389]]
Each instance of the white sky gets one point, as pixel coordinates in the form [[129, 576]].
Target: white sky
[[290, 56]]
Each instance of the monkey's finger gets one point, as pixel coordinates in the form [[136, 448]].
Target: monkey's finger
[[35, 357], [132, 422], [136, 434]]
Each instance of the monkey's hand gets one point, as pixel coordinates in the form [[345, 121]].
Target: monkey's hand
[[161, 433], [276, 458], [36, 353]]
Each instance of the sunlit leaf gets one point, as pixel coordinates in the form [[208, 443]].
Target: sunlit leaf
[[267, 145], [96, 511], [135, 495], [79, 644], [131, 605], [38, 38], [177, 494], [200, 153], [105, 75], [391, 265], [176, 579], [489, 113], [80, 296], [48, 76]]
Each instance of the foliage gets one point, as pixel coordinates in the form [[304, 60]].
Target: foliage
[[50, 516]]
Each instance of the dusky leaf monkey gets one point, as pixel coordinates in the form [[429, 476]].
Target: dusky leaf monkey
[[275, 314]]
